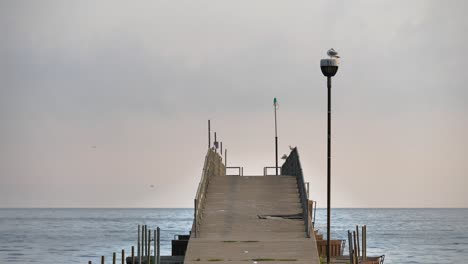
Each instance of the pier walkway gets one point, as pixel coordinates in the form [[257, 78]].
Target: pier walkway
[[251, 219]]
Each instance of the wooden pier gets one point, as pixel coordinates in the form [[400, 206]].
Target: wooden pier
[[241, 219]]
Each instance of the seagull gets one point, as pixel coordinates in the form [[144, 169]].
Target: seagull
[[291, 148], [284, 156], [333, 53]]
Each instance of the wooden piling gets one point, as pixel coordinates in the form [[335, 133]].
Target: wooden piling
[[138, 246], [133, 255], [364, 243], [158, 256], [114, 258], [89, 262], [141, 255], [350, 248], [123, 256], [355, 247], [155, 246], [102, 259], [357, 240], [149, 246], [144, 240]]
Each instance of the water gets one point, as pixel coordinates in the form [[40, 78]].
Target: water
[[78, 235], [405, 235]]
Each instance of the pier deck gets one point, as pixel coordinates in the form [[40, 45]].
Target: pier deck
[[231, 230]]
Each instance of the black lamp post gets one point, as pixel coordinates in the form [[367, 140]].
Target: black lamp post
[[329, 68], [275, 105]]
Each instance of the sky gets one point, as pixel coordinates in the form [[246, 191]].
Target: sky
[[99, 100]]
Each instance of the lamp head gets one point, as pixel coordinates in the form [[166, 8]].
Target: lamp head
[[329, 67]]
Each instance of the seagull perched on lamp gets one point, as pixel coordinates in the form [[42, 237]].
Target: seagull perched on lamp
[[333, 53]]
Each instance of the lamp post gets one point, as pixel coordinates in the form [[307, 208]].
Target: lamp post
[[275, 105], [329, 68]]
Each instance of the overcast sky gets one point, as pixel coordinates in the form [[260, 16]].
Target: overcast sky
[[101, 99]]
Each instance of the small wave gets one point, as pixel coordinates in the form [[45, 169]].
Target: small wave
[[15, 254]]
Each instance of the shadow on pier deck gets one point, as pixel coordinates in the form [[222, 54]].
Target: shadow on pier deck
[[241, 219]]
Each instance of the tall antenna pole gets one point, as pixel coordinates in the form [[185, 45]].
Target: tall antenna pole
[[275, 103]]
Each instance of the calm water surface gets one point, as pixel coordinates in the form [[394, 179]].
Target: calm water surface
[[79, 235]]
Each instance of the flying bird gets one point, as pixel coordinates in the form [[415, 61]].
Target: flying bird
[[333, 53], [284, 156]]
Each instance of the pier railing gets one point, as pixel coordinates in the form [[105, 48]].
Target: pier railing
[[213, 166], [292, 167]]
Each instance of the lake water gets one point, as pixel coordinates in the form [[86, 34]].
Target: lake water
[[78, 235]]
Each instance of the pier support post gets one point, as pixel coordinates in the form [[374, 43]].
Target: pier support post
[[123, 256], [102, 259], [133, 255], [355, 255], [148, 250], [159, 244], [357, 242], [138, 246], [155, 245], [350, 248], [114, 258], [145, 240], [364, 243]]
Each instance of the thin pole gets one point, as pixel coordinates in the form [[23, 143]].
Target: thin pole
[[155, 246], [225, 157], [315, 209], [133, 255], [328, 167], [209, 134], [159, 245], [350, 247], [221, 148], [123, 256], [356, 247], [138, 246], [102, 259], [357, 242], [149, 247], [364, 243], [114, 258], [276, 141], [145, 239], [141, 242]]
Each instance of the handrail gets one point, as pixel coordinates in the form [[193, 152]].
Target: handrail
[[292, 166], [241, 171], [210, 168], [265, 170]]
